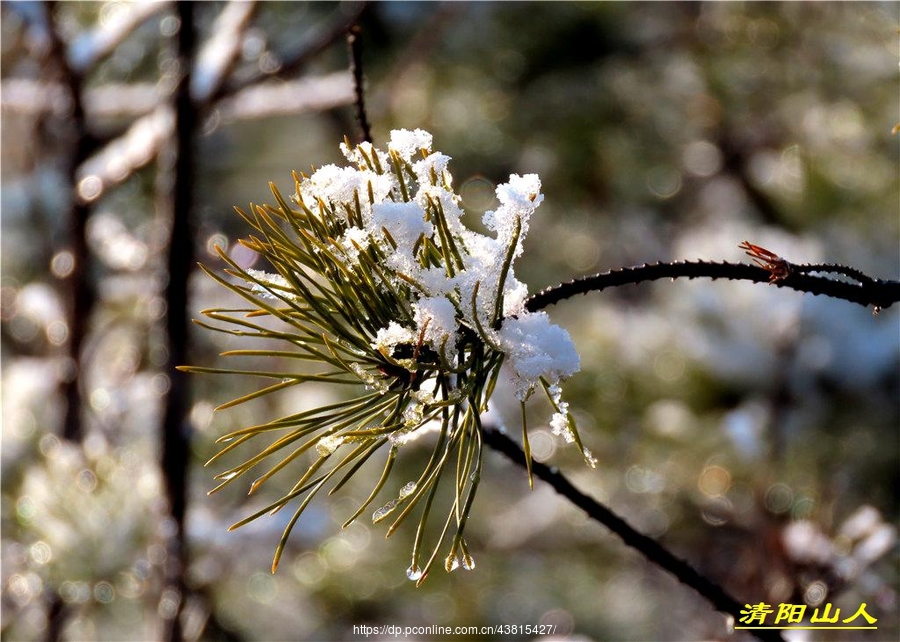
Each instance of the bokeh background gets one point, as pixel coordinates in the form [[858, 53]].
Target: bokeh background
[[753, 430]]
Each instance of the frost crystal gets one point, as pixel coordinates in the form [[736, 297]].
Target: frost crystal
[[327, 445], [384, 511], [559, 425], [407, 490], [410, 433], [412, 416], [270, 283]]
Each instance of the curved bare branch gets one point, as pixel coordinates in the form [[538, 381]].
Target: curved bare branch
[[866, 291]]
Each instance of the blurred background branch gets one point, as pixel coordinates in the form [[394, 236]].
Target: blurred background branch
[[114, 131]]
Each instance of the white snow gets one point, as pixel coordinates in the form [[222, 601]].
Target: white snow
[[536, 348], [275, 282], [353, 237], [405, 222], [434, 165], [392, 335], [436, 322], [559, 425], [408, 143]]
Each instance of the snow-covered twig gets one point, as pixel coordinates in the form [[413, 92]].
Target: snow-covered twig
[[221, 50], [93, 46]]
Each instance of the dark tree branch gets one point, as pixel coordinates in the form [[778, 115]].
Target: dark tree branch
[[866, 291], [78, 284], [176, 428], [79, 288], [646, 546], [356, 68]]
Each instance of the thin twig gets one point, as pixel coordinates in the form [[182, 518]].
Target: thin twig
[[868, 291], [356, 69], [652, 550]]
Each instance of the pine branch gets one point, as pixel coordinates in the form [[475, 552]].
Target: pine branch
[[865, 290], [652, 550]]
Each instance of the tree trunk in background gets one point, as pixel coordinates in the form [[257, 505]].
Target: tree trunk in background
[[176, 428]]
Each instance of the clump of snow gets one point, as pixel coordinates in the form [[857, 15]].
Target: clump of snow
[[328, 444], [404, 224], [363, 154], [436, 323], [536, 348], [518, 200], [430, 170], [353, 240], [391, 336], [333, 184], [408, 143]]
